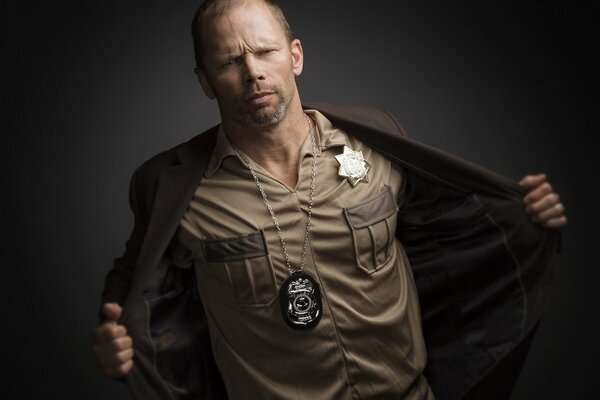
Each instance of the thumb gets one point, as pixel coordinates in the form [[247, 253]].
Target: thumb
[[111, 311]]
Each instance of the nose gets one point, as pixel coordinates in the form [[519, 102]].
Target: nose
[[253, 69]]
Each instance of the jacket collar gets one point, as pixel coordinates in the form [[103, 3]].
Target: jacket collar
[[195, 150]]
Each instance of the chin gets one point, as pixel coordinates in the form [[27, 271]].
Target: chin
[[265, 116]]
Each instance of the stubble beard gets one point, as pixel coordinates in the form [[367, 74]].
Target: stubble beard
[[261, 119]]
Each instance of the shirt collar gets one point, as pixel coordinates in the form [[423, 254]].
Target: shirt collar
[[326, 137], [221, 150]]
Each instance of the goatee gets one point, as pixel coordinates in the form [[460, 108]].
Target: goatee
[[264, 119]]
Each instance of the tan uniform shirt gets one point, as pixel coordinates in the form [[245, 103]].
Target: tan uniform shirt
[[368, 344]]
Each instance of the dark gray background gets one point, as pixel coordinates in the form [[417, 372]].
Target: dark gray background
[[93, 88]]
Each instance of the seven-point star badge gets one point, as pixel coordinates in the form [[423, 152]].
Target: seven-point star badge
[[353, 166]]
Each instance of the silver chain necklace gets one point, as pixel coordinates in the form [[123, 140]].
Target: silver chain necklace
[[300, 296], [245, 161]]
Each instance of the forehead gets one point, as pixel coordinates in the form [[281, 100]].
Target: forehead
[[248, 23]]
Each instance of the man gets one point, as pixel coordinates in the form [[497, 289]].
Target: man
[[284, 221]]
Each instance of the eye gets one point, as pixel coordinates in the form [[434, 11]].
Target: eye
[[228, 63], [266, 52]]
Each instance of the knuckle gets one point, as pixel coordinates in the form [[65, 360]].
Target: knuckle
[[123, 369], [125, 344], [113, 333], [125, 356], [129, 354], [548, 201], [553, 224], [109, 330], [117, 345], [120, 358], [556, 223], [122, 343]]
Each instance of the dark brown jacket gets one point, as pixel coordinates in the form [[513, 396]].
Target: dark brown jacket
[[482, 268]]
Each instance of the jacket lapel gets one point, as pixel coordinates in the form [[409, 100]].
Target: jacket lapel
[[383, 133], [176, 187], [484, 291]]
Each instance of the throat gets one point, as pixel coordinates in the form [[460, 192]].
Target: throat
[[287, 174]]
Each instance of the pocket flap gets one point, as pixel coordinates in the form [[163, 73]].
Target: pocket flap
[[372, 210], [236, 248]]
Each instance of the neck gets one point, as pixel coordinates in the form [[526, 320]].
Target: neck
[[277, 147]]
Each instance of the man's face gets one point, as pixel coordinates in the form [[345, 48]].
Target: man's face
[[249, 65]]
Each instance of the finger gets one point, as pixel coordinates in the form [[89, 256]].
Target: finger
[[122, 343], [116, 359], [556, 211], [119, 371], [531, 181], [556, 223], [538, 193], [107, 332], [111, 311], [113, 346], [547, 202]]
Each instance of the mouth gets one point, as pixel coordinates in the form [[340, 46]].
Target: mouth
[[258, 98]]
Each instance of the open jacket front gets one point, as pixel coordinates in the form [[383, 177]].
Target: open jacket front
[[483, 270]]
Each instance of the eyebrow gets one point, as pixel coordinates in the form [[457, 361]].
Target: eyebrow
[[260, 47]]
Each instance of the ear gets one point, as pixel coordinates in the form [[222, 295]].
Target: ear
[[206, 87], [297, 56]]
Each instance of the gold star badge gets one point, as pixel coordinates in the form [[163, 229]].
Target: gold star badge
[[353, 166]]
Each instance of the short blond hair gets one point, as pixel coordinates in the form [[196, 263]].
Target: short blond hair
[[212, 8]]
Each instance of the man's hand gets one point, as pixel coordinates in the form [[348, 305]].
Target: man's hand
[[543, 203], [111, 344]]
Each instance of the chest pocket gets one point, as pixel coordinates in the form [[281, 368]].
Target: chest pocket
[[373, 224], [243, 264]]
